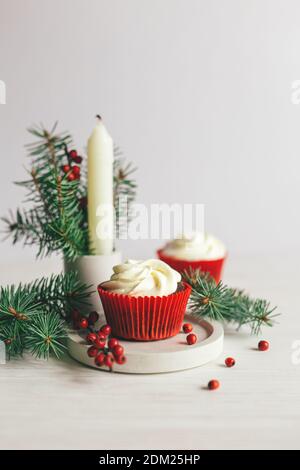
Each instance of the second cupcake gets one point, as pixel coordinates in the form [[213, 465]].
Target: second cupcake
[[195, 251]]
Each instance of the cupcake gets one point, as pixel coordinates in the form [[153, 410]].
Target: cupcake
[[144, 300], [195, 251]]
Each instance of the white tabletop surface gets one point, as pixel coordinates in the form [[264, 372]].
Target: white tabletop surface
[[63, 405]]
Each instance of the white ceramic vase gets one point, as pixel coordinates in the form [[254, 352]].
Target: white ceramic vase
[[92, 270]]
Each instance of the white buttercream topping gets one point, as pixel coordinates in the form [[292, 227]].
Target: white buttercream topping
[[140, 278], [195, 246]]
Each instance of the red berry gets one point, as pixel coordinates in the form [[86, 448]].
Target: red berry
[[73, 154], [76, 170], [109, 360], [71, 177], [106, 330], [93, 317], [118, 350], [100, 343], [120, 360], [101, 336], [230, 362], [263, 345], [191, 339], [213, 384], [66, 168], [112, 343], [187, 327], [99, 359], [77, 159], [91, 338], [92, 351], [83, 323]]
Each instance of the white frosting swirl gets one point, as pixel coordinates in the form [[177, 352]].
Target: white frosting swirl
[[141, 278], [195, 246]]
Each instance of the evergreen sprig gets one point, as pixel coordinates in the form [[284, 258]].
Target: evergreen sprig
[[124, 191], [32, 316], [56, 220], [222, 303]]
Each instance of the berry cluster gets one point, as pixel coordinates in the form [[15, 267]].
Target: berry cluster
[[70, 169], [104, 349]]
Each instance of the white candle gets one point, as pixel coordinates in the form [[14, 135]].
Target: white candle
[[100, 190]]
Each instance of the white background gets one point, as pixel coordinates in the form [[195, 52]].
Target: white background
[[197, 93]]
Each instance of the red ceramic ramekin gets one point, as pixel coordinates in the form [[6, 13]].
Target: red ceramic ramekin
[[145, 318], [213, 267]]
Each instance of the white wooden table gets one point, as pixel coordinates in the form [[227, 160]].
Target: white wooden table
[[63, 405]]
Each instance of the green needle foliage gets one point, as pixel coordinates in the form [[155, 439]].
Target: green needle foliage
[[222, 303], [56, 220], [33, 316], [45, 335], [124, 191]]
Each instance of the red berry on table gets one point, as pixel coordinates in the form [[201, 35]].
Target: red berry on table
[[230, 362], [191, 339], [93, 317], [187, 327], [106, 330], [263, 345], [66, 168], [112, 343], [71, 176], [92, 351], [73, 154], [77, 159], [118, 350], [120, 360], [99, 359], [83, 323], [213, 384], [76, 170], [91, 338], [109, 360]]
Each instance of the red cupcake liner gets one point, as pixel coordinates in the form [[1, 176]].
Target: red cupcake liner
[[145, 318], [213, 267]]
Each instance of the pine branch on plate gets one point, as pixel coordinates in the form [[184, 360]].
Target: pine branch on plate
[[222, 303], [33, 316]]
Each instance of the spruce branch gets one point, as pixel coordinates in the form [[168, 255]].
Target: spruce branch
[[45, 335], [222, 303], [62, 293], [56, 220], [13, 339], [33, 316], [124, 191]]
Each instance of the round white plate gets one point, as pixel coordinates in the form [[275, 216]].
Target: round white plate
[[167, 355]]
